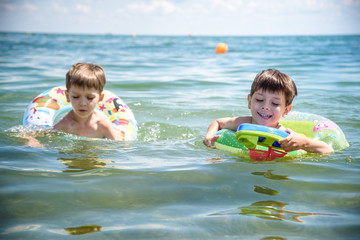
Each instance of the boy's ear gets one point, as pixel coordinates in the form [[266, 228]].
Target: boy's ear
[[67, 96], [249, 101], [101, 96], [287, 110]]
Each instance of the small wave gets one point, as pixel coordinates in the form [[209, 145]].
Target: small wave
[[156, 131]]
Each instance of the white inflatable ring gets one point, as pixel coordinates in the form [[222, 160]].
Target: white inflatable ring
[[46, 107]]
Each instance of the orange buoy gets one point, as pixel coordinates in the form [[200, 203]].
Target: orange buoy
[[221, 48]]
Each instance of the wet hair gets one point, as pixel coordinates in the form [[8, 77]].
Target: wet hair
[[275, 81], [86, 75]]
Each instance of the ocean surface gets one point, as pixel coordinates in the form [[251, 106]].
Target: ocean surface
[[167, 184]]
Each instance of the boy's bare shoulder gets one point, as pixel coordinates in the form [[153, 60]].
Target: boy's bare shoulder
[[64, 123], [106, 127], [102, 120], [234, 122], [243, 119]]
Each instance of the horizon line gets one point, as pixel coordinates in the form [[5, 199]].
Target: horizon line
[[134, 35]]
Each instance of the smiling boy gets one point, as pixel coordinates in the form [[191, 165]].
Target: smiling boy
[[270, 98]]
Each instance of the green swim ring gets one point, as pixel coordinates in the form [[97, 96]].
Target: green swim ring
[[248, 142]]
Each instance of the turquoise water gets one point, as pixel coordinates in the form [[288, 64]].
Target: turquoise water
[[167, 184]]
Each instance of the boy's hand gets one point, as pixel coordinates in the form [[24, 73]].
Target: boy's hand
[[210, 141], [292, 142], [33, 142], [295, 142]]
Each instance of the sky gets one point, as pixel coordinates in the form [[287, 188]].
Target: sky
[[182, 17]]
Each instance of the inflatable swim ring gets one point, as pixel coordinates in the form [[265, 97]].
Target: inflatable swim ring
[[45, 108], [266, 147]]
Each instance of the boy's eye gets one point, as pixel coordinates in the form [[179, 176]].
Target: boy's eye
[[276, 104], [90, 98], [259, 100], [75, 97]]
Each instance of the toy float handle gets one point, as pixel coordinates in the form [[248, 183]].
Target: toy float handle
[[252, 135]]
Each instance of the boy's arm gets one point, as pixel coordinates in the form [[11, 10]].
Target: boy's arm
[[31, 141], [218, 124], [210, 137], [109, 130], [295, 142]]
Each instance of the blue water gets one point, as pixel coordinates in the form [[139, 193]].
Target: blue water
[[167, 184]]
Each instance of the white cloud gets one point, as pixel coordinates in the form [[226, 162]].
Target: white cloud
[[351, 2], [318, 4], [199, 8], [156, 5], [7, 6], [231, 5], [83, 8], [60, 9], [30, 7]]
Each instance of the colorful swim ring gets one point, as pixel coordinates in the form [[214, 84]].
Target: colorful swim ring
[[310, 125], [46, 107]]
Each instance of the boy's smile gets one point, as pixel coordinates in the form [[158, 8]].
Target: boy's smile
[[264, 115], [267, 107]]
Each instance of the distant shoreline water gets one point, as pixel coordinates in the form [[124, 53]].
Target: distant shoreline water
[[134, 35]]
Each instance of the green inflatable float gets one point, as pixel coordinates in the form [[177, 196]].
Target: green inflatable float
[[260, 142]]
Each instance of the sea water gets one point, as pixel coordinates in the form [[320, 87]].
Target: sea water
[[167, 184]]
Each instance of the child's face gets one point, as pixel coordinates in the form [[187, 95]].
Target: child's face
[[83, 100], [268, 107]]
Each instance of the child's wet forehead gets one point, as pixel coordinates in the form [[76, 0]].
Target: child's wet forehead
[[273, 94], [83, 90]]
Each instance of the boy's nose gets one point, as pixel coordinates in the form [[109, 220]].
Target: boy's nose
[[266, 106], [82, 102]]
